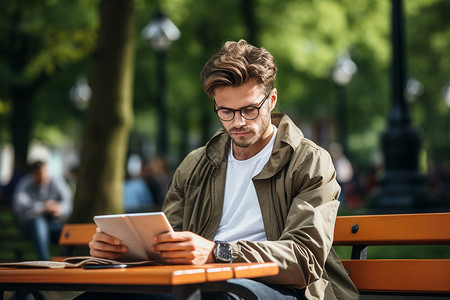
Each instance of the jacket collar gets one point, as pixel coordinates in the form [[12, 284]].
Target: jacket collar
[[288, 138]]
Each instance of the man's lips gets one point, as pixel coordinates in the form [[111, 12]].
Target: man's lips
[[240, 133]]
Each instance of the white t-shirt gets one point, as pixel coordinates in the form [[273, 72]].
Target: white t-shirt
[[241, 215]]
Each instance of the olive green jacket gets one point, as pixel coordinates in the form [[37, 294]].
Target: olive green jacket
[[297, 192]]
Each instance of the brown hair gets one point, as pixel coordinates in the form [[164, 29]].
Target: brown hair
[[236, 64]]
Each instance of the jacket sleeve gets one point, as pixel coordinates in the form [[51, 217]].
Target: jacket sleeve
[[24, 206], [65, 195], [174, 202], [306, 239]]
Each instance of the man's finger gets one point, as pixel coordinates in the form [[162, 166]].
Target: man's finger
[[101, 246], [175, 236], [106, 238], [104, 254], [171, 246]]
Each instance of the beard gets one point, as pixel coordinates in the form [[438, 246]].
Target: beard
[[243, 142], [254, 134]]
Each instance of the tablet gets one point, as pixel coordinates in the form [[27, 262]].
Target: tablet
[[136, 231]]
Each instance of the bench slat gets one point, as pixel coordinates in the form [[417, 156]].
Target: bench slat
[[407, 229], [402, 275], [77, 234]]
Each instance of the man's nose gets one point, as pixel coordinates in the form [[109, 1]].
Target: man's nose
[[238, 120]]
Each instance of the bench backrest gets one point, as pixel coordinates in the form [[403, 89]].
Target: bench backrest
[[407, 229], [77, 234]]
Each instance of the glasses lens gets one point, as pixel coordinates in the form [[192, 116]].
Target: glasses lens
[[225, 114], [250, 113]]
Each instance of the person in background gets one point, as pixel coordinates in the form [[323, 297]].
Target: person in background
[[137, 194], [41, 203], [157, 175], [344, 170], [258, 191]]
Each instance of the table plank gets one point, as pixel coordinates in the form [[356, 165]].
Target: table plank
[[255, 270], [183, 281], [140, 275], [150, 275]]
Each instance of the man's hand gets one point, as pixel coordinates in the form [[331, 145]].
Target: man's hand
[[106, 246], [184, 247], [52, 208]]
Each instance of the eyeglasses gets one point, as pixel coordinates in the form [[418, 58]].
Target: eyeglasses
[[249, 112]]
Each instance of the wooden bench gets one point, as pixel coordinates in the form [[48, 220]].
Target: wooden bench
[[76, 236], [395, 276], [371, 276]]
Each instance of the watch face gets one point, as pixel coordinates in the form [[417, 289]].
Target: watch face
[[223, 252]]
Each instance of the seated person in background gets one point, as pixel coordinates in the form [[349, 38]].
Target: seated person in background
[[40, 203], [137, 195], [157, 174], [259, 191]]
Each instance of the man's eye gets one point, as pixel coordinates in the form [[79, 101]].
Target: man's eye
[[249, 110], [226, 112]]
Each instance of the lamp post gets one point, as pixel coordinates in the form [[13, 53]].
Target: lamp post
[[402, 188], [160, 33], [342, 73], [80, 94], [446, 95], [414, 88]]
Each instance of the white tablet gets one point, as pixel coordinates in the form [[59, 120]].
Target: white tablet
[[136, 231]]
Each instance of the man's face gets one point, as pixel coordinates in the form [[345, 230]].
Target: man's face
[[40, 177], [246, 133]]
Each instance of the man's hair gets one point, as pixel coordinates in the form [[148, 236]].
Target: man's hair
[[236, 64]]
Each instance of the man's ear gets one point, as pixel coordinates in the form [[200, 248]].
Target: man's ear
[[273, 99]]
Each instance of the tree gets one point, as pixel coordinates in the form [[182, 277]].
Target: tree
[[101, 173], [39, 38]]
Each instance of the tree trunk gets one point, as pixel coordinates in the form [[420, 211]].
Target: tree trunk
[[110, 116], [20, 123]]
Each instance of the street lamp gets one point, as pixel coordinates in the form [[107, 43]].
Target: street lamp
[[80, 93], [414, 88], [342, 73], [402, 188], [446, 95], [160, 33]]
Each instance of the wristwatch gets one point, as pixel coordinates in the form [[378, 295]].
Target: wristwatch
[[222, 252]]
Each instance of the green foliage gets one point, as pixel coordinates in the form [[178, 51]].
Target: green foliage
[[57, 33], [40, 42], [305, 38], [428, 28]]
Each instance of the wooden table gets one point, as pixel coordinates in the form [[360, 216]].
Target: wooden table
[[181, 280]]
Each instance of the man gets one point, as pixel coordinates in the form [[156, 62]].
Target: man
[[40, 202], [258, 191]]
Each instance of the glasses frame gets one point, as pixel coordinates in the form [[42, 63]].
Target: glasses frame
[[257, 107]]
